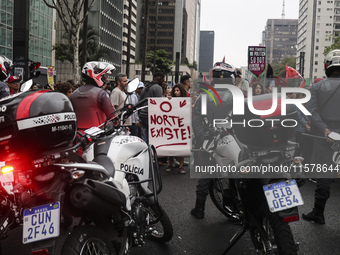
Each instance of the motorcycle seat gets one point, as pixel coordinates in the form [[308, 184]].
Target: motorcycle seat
[[106, 162]]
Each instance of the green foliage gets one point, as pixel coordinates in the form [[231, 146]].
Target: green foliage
[[65, 52], [193, 65], [280, 69], [334, 46], [162, 63]]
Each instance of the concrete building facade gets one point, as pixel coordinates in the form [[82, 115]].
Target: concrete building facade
[[280, 39], [319, 25]]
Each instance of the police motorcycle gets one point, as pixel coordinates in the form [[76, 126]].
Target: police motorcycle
[[260, 202], [64, 204]]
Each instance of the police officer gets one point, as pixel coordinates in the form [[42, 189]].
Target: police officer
[[92, 104], [223, 73], [5, 64], [324, 106]]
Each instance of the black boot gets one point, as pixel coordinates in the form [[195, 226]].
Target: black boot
[[198, 211], [316, 215]]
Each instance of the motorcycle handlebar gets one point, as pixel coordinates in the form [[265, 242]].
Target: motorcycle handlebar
[[333, 136]]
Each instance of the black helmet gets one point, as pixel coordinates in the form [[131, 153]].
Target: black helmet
[[5, 64]]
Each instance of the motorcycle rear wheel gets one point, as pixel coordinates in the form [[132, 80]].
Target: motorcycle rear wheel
[[216, 189], [278, 238], [87, 240], [163, 230]]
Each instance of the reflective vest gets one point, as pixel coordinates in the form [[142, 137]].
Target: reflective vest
[[85, 103]]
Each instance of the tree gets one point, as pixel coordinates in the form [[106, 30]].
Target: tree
[[71, 15], [334, 46], [64, 52], [280, 69], [162, 63]]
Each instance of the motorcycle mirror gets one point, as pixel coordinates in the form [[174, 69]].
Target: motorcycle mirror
[[132, 86], [334, 136], [26, 86], [336, 157], [108, 128]]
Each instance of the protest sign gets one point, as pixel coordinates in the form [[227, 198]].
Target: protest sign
[[170, 126], [256, 60], [50, 75]]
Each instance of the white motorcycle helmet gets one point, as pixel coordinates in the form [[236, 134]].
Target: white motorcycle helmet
[[332, 61], [222, 70], [5, 64], [95, 72]]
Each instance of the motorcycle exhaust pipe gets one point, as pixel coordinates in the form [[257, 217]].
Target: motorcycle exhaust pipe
[[89, 197]]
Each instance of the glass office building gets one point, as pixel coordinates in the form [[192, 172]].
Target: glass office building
[[40, 31], [106, 16], [6, 28]]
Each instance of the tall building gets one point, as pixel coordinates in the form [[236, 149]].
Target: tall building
[[106, 18], [41, 31], [6, 28], [319, 25], [129, 31], [280, 39], [206, 54], [172, 26]]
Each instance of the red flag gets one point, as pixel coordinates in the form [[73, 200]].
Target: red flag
[[291, 73], [223, 59], [205, 78]]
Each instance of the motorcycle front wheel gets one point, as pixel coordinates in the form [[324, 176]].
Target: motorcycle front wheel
[[218, 189], [87, 240], [162, 230], [277, 238]]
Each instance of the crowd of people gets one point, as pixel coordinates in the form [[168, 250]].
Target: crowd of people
[[95, 99]]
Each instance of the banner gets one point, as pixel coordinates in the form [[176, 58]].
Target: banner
[[294, 77], [170, 126], [50, 75], [256, 60]]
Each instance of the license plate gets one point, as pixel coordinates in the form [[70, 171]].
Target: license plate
[[41, 222], [283, 195]]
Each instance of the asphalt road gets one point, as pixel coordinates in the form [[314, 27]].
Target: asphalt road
[[211, 235]]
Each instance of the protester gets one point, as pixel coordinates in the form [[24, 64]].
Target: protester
[[153, 89], [257, 89], [324, 106], [177, 91], [92, 105], [240, 83], [139, 89], [187, 82], [65, 88], [134, 127], [118, 96], [13, 83]]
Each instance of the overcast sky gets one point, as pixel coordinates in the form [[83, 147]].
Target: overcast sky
[[239, 24]]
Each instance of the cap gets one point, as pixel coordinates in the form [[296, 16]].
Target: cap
[[140, 85], [13, 79]]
